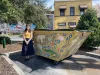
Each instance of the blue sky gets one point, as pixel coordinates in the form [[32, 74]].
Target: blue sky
[[51, 2], [96, 2]]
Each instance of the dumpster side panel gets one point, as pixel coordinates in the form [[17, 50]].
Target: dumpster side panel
[[81, 40], [57, 45], [51, 44], [75, 44]]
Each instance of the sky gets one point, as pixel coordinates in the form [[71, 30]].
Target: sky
[[51, 2]]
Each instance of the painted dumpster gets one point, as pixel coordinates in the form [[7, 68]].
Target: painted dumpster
[[58, 44]]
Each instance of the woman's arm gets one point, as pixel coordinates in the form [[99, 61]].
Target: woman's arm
[[30, 37], [24, 37]]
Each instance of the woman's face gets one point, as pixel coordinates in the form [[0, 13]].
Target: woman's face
[[28, 27]]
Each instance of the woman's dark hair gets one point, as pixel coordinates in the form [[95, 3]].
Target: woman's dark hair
[[27, 29]]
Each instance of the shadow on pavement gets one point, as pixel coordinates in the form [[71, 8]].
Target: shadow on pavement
[[87, 54], [37, 62]]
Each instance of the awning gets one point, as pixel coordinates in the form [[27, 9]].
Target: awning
[[83, 6], [62, 7], [72, 26]]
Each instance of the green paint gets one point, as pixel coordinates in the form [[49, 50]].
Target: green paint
[[51, 52], [4, 43]]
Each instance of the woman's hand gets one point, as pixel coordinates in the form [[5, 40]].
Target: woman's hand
[[27, 42]]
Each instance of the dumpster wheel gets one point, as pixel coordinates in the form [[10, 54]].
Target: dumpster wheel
[[56, 62], [69, 57]]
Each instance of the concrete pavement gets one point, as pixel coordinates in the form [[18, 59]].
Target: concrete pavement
[[77, 65]]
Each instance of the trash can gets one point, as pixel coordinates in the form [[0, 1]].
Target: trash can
[[58, 44]]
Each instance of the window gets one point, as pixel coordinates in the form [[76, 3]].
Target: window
[[62, 24], [72, 11], [81, 11], [72, 24], [62, 12]]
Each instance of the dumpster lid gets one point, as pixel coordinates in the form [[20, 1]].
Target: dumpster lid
[[64, 30], [54, 30], [85, 30]]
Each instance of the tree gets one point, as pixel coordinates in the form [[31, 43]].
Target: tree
[[28, 11], [35, 15], [41, 3], [19, 3], [9, 13], [89, 21]]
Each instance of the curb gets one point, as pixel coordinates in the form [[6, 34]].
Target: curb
[[8, 53], [17, 69]]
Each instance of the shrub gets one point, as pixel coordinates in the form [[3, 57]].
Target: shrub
[[89, 21], [8, 41]]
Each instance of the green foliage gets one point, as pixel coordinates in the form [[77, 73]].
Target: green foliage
[[8, 41], [19, 3], [9, 13], [28, 11], [36, 14], [38, 3], [89, 21]]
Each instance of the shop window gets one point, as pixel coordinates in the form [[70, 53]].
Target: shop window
[[62, 24], [72, 24]]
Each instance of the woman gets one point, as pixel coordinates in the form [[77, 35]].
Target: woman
[[27, 48]]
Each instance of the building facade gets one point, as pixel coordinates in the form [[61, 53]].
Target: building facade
[[67, 12]]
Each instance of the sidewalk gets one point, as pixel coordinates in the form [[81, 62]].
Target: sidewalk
[[80, 64]]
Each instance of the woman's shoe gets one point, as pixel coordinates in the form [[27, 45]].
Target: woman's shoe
[[26, 59]]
